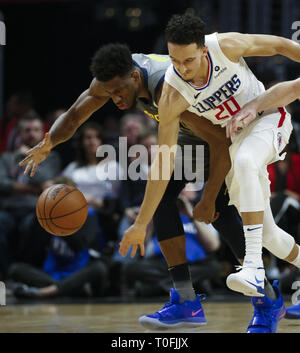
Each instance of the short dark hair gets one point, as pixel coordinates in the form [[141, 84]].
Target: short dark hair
[[111, 60], [185, 29], [81, 156]]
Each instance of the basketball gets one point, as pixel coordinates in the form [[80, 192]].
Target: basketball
[[61, 209]]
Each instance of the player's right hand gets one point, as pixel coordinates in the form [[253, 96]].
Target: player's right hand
[[135, 237], [37, 155], [241, 119], [205, 212]]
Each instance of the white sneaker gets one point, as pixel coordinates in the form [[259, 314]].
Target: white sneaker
[[249, 281]]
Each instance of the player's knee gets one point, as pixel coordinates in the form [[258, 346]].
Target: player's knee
[[244, 164], [268, 239], [272, 242], [277, 241]]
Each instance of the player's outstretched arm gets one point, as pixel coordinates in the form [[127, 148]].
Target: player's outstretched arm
[[279, 95], [65, 126], [219, 163], [237, 45], [171, 105]]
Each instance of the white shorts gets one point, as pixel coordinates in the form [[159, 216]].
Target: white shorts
[[275, 128]]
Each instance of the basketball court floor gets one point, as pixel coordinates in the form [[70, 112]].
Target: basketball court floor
[[222, 317]]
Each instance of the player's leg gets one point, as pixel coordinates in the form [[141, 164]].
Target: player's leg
[[253, 155], [269, 309], [184, 308], [279, 242], [230, 227], [171, 237], [250, 161]]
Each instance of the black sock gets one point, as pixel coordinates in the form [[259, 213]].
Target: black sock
[[182, 281], [269, 290]]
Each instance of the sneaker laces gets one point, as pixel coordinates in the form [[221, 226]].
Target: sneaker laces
[[265, 314], [161, 312], [240, 267], [201, 296], [167, 305]]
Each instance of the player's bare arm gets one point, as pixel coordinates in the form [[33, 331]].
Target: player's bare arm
[[87, 103], [237, 45], [171, 105], [219, 162], [279, 95], [66, 125]]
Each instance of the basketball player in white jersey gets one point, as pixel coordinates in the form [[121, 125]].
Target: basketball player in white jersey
[[210, 78], [280, 94]]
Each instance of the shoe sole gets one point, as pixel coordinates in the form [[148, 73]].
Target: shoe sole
[[153, 324], [242, 287]]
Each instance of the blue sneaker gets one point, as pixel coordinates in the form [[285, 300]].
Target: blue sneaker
[[267, 313], [293, 312], [176, 314]]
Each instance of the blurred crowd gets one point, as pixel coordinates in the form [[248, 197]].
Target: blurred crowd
[[36, 264]]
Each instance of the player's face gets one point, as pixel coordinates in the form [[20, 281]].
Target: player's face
[[31, 132], [187, 59], [123, 91]]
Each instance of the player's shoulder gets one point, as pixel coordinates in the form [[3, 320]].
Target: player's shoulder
[[235, 41], [232, 44], [151, 57], [229, 39], [172, 98], [171, 91]]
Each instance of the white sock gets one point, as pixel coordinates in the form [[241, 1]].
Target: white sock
[[253, 242]]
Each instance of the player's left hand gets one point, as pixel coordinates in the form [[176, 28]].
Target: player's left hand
[[205, 212], [135, 237], [241, 119]]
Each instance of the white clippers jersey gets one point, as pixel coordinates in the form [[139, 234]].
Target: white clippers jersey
[[228, 87]]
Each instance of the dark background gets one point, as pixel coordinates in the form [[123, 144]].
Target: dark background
[[49, 44]]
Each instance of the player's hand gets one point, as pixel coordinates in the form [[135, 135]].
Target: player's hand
[[241, 119], [205, 212], [135, 237], [36, 155]]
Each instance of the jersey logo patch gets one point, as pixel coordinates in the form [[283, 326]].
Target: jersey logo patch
[[219, 71]]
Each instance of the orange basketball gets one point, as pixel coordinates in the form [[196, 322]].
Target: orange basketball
[[61, 209]]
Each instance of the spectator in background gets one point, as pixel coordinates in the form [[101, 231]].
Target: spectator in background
[[20, 193], [111, 130], [19, 105], [90, 174], [202, 240], [132, 125]]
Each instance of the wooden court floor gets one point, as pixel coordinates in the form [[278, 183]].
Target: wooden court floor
[[122, 318]]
